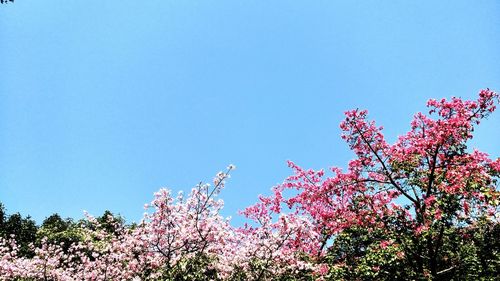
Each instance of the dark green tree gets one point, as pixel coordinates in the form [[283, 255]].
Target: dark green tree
[[2, 216], [110, 222], [24, 232]]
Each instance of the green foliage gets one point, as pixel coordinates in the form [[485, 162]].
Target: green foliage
[[469, 253], [23, 230], [108, 222], [477, 255], [199, 267], [358, 254], [59, 231], [2, 216], [259, 270]]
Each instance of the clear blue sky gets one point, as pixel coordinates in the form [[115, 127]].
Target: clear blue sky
[[104, 102]]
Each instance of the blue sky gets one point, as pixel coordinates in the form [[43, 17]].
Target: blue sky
[[104, 102]]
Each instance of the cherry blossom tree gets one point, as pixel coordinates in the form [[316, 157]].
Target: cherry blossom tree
[[417, 191], [179, 232], [182, 230]]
